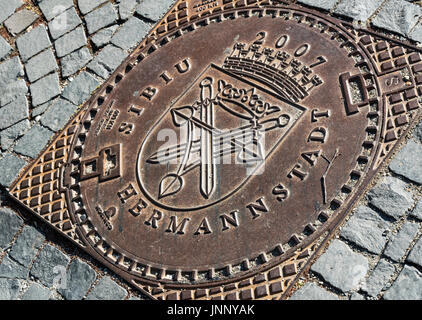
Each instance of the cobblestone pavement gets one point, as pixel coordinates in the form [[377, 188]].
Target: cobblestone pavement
[[55, 53]]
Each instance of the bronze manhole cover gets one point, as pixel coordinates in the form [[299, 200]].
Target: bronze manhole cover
[[225, 146]]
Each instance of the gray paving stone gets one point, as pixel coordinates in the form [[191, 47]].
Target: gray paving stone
[[416, 33], [33, 42], [44, 266], [154, 10], [311, 291], [10, 167], [39, 110], [417, 212], [12, 270], [10, 70], [8, 7], [58, 114], [11, 134], [134, 298], [27, 245], [359, 10], [107, 289], [88, 5], [80, 89], [341, 267], [12, 91], [64, 23], [37, 292], [415, 255], [390, 197], [378, 278], [366, 228], [33, 141], [398, 16], [408, 162], [356, 297], [103, 36], [20, 21], [322, 4], [418, 129], [75, 61], [45, 89], [107, 61], [52, 8], [100, 18], [80, 278], [398, 245], [10, 223], [130, 34], [9, 289], [14, 112], [41, 65], [70, 42], [407, 286], [5, 48], [126, 8]]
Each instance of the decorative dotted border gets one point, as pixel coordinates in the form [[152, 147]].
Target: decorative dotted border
[[197, 277]]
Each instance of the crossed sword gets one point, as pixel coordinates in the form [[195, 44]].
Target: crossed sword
[[210, 138]]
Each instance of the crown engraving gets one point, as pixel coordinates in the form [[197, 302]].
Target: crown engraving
[[282, 72]]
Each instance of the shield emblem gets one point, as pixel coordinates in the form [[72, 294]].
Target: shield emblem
[[211, 140]]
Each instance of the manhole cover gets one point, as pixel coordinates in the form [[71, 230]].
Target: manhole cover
[[233, 138]]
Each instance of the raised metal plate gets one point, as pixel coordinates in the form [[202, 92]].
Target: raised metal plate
[[234, 137]]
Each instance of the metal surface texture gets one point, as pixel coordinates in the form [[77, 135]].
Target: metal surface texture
[[221, 153]]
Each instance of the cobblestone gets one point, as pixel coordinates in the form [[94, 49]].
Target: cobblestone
[[80, 278], [33, 42], [8, 7], [33, 141], [12, 270], [408, 162], [153, 10], [9, 289], [5, 48], [107, 61], [37, 292], [311, 291], [11, 134], [417, 212], [126, 8], [46, 264], [11, 166], [41, 65], [75, 61], [359, 10], [10, 223], [45, 89], [322, 4], [398, 16], [70, 42], [107, 289], [390, 197], [415, 255], [13, 112], [103, 36], [100, 18], [379, 278], [56, 116], [407, 286], [88, 5], [341, 267], [130, 34], [80, 88], [418, 129], [398, 245], [366, 228], [52, 8], [12, 91], [64, 23], [27, 245], [20, 21]]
